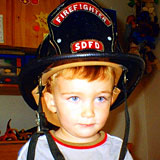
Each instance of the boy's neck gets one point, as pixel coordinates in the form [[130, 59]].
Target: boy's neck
[[62, 134]]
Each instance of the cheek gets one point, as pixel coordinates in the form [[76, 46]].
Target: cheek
[[67, 119], [102, 115], [66, 114]]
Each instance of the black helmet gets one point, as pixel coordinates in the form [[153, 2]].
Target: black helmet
[[80, 31]]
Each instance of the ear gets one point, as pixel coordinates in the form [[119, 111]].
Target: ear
[[50, 103], [115, 94]]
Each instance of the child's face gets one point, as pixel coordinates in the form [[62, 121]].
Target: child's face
[[82, 107]]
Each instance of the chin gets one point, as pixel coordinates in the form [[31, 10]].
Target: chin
[[87, 134]]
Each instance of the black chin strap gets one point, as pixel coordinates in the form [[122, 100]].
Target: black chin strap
[[42, 129], [127, 121]]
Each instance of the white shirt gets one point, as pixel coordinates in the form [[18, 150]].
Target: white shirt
[[107, 147]]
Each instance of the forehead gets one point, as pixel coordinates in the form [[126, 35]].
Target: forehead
[[83, 85]]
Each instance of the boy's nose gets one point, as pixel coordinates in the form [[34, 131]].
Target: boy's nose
[[88, 110]]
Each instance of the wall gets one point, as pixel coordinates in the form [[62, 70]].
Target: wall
[[14, 108], [152, 97], [152, 105]]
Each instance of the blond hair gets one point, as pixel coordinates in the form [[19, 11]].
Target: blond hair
[[90, 73]]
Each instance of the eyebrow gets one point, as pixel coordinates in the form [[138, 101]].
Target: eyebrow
[[106, 92], [72, 92]]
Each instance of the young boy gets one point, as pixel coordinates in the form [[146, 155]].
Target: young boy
[[78, 78]]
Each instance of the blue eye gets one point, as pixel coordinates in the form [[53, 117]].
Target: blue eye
[[100, 99], [74, 99]]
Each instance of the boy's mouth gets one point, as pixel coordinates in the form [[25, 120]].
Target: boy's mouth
[[87, 125]]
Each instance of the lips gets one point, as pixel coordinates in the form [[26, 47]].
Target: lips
[[87, 125]]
